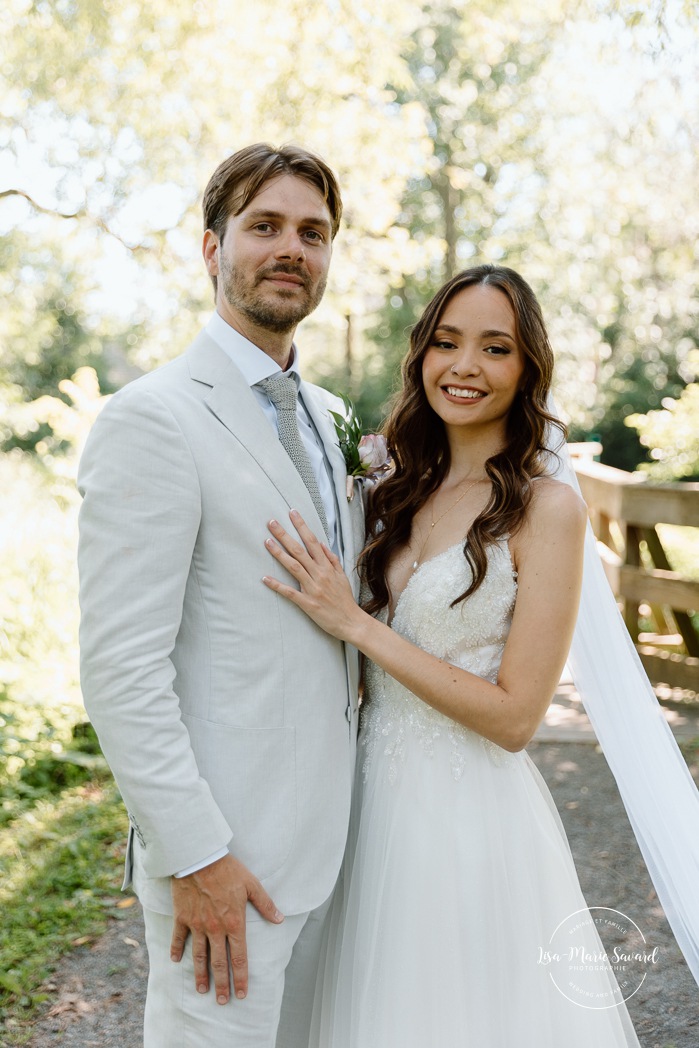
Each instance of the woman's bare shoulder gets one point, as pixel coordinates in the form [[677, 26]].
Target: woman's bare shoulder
[[554, 499], [556, 513]]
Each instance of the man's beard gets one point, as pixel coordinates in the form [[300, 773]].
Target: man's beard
[[280, 315]]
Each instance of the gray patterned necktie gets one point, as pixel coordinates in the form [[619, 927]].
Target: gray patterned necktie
[[282, 391]]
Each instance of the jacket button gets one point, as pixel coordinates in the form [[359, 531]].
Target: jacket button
[[348, 714]]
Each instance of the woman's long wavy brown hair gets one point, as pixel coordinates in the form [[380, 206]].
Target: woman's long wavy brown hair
[[418, 444]]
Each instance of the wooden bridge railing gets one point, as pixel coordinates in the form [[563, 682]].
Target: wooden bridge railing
[[625, 510]]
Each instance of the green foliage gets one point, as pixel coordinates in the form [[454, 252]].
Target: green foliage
[[127, 111], [61, 823], [44, 745], [45, 336], [629, 381], [552, 180], [59, 879], [349, 432], [672, 433], [535, 132], [58, 769], [470, 71], [42, 755], [39, 695]]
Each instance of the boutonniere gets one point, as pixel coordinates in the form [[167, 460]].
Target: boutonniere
[[365, 456]]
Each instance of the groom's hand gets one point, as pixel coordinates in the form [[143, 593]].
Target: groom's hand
[[211, 905]]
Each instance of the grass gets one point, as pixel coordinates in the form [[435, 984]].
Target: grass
[[59, 878]]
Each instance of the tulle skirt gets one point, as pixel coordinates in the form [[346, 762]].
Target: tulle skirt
[[457, 875]]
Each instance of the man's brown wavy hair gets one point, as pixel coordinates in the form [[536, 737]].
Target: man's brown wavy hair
[[239, 178], [418, 445]]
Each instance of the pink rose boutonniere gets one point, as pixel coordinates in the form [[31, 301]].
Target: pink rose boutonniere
[[365, 456]]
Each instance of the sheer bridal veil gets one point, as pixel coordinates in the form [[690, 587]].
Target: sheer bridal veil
[[654, 782]]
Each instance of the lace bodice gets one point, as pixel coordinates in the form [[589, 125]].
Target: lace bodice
[[470, 635]]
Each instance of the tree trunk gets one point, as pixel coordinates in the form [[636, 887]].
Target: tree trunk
[[450, 199]]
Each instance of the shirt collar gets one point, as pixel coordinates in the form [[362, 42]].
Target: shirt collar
[[252, 361]]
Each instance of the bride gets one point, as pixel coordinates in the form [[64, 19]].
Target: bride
[[458, 872]]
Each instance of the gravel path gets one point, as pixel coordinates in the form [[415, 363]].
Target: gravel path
[[97, 993]]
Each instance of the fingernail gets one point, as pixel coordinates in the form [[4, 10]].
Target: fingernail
[[240, 995], [273, 523], [201, 988], [221, 999], [294, 513], [278, 916], [270, 544]]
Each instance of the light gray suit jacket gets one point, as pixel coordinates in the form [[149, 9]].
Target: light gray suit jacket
[[228, 717]]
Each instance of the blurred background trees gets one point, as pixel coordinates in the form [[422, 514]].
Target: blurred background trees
[[556, 136]]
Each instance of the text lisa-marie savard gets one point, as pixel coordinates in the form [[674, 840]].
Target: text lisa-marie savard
[[583, 956]]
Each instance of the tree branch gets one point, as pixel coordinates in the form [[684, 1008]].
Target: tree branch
[[80, 213]]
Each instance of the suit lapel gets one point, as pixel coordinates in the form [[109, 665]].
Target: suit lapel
[[326, 431], [233, 403], [318, 410]]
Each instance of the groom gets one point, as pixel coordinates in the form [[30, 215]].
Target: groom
[[227, 716]]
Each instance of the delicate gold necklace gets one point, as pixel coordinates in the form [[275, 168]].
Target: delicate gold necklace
[[433, 525]]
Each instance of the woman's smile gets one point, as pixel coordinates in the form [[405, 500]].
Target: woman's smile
[[473, 368]]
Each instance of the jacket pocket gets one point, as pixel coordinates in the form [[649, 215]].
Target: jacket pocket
[[251, 773]]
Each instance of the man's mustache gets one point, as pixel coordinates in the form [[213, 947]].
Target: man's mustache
[[287, 270]]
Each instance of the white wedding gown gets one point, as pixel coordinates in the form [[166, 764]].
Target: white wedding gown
[[458, 870]]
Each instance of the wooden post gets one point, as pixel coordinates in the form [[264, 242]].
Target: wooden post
[[604, 533], [632, 557], [684, 624], [627, 501]]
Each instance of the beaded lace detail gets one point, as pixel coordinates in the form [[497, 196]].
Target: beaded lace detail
[[470, 635]]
